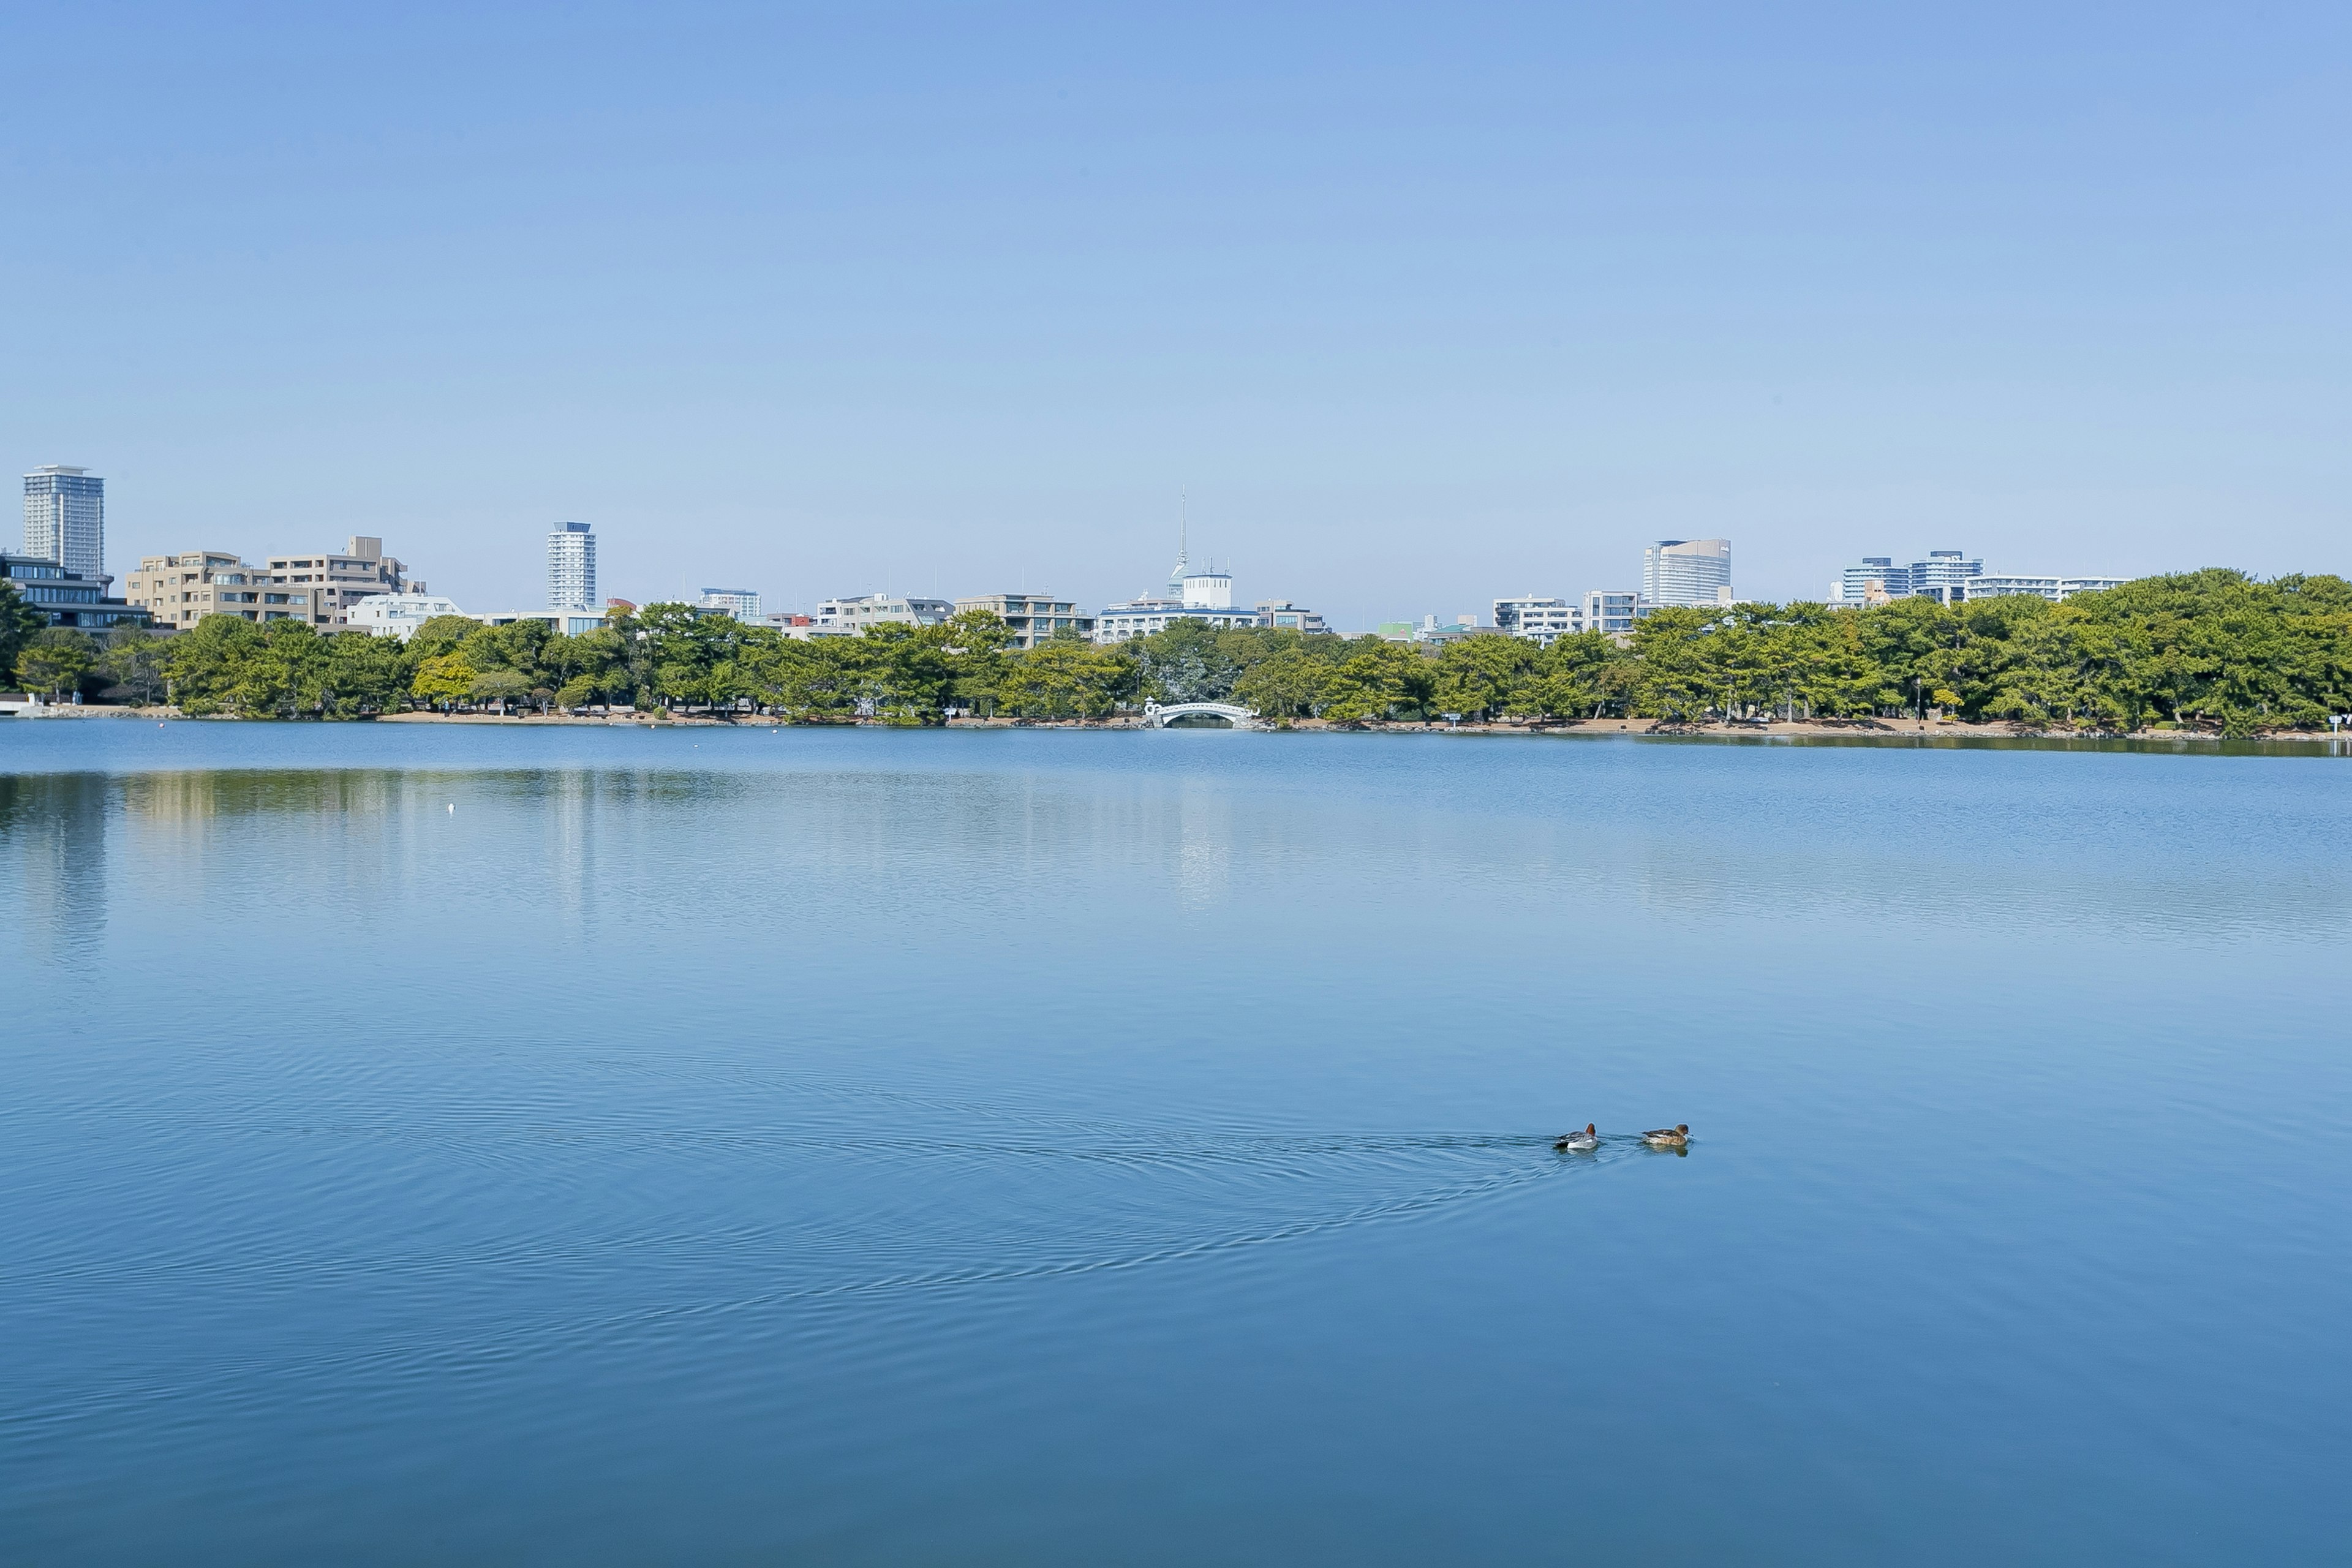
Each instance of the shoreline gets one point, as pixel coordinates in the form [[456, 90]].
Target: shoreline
[[1906, 730]]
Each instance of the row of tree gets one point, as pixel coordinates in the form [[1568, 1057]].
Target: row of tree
[[2204, 650]]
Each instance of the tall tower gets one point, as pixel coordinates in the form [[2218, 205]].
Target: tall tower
[[570, 567], [65, 519], [1183, 567]]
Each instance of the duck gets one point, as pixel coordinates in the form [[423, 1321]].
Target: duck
[[1576, 1143], [1668, 1136]]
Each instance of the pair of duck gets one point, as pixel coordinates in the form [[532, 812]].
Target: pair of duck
[[1673, 1136]]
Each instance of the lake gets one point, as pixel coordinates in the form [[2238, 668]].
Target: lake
[[849, 1146]]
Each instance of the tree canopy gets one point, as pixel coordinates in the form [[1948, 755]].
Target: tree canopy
[[2214, 650]]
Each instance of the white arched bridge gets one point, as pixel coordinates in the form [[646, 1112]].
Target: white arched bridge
[[1158, 715]]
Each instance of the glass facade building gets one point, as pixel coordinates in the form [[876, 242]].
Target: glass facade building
[[1687, 571], [65, 519]]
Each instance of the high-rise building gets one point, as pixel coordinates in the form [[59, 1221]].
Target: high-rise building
[[1687, 572], [570, 567], [65, 519]]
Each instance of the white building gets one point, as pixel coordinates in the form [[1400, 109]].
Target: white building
[[1611, 610], [65, 520], [398, 615], [1689, 573], [571, 623], [1141, 617], [871, 609], [2057, 590], [1540, 621], [570, 567], [743, 604]]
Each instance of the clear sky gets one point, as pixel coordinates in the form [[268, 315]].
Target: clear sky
[[1422, 304]]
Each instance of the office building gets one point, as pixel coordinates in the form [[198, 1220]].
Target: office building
[[399, 615], [854, 616], [2057, 590], [570, 567], [1540, 621], [1611, 610], [62, 597], [1032, 617], [743, 604], [65, 521], [1688, 572]]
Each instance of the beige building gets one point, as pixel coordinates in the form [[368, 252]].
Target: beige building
[[1032, 617], [181, 590], [336, 580]]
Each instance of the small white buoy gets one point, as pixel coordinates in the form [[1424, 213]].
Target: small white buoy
[[453, 808]]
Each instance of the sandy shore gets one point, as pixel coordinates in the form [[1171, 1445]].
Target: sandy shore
[[1904, 730]]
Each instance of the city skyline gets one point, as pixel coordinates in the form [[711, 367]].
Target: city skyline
[[1420, 307]]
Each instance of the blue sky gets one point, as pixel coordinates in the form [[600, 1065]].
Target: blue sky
[[1421, 305]]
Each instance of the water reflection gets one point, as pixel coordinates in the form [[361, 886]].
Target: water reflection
[[53, 831]]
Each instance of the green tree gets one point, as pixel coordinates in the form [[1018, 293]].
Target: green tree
[[18, 622], [133, 660], [54, 659]]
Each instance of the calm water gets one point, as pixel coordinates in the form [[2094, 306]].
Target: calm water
[[609, 1146]]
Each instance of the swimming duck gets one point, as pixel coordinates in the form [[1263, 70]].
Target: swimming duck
[[1668, 1136], [1576, 1143]]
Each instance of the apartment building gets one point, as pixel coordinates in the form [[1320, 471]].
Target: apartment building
[[181, 590], [854, 616], [1539, 621], [1032, 617], [337, 580]]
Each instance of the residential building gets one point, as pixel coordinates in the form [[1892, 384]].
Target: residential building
[[63, 597], [181, 590], [1142, 617], [337, 580], [570, 622], [177, 590], [854, 616], [1689, 573], [1943, 576], [570, 567], [1540, 621], [1281, 615], [2058, 590], [1034, 617], [743, 604], [1611, 610], [65, 521], [399, 615]]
